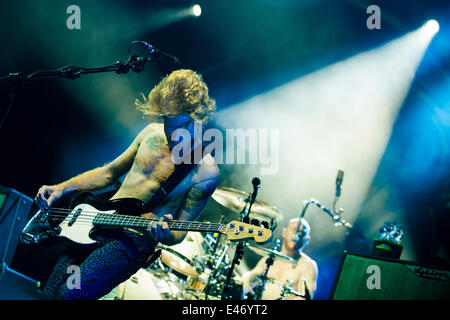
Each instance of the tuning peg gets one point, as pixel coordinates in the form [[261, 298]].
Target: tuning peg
[[255, 222]]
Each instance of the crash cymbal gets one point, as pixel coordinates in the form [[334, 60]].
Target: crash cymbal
[[269, 252], [236, 200]]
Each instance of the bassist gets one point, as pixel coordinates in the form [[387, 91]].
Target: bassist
[[179, 100]]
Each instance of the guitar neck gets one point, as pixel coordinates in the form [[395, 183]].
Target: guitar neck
[[117, 220]]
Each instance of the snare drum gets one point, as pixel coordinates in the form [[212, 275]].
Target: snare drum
[[180, 257], [178, 262]]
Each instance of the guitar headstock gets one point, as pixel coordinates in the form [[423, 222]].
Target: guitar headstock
[[237, 230]]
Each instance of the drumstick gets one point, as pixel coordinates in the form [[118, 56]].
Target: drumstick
[[245, 285]]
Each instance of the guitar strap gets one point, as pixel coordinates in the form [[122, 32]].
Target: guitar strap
[[180, 172]]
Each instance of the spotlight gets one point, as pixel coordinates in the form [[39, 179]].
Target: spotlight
[[432, 26], [196, 10]]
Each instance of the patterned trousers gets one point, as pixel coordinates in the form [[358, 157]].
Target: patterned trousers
[[118, 257]]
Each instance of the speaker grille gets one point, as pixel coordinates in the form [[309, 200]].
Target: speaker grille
[[397, 280]]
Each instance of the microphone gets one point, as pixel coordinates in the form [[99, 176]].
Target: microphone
[[297, 234], [339, 179], [160, 55], [256, 185]]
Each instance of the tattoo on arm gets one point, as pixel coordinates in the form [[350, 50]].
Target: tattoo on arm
[[197, 197], [155, 142]]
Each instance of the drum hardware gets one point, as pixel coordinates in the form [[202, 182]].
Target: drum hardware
[[237, 201], [335, 214], [270, 252], [251, 211], [178, 262], [170, 284], [272, 255], [338, 221], [240, 247], [287, 290], [269, 262], [199, 283], [214, 246], [219, 263], [201, 276]]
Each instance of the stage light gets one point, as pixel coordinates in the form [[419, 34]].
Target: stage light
[[196, 10], [432, 27], [340, 116]]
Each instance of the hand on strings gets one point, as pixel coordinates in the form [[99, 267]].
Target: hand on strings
[[159, 229], [47, 194]]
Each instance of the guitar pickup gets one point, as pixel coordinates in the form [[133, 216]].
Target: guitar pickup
[[75, 216]]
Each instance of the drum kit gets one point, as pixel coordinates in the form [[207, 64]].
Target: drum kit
[[197, 268]]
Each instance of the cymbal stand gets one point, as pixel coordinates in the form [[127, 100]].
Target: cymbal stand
[[263, 279]]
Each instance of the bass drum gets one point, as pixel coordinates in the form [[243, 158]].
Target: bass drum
[[143, 285]]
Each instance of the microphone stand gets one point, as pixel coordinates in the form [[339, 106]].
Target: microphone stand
[[239, 248], [16, 79], [334, 215]]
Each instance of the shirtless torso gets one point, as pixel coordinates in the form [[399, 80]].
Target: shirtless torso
[[148, 161], [152, 164], [304, 269], [179, 100], [283, 271]]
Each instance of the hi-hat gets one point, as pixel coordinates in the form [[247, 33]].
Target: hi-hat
[[236, 200], [269, 252]]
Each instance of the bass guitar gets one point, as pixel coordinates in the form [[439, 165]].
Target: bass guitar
[[84, 222]]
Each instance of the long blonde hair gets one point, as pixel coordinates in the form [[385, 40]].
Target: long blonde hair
[[181, 92]]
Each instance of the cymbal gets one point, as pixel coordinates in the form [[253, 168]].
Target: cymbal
[[236, 200], [269, 252]]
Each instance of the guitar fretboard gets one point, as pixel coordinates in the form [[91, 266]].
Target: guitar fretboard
[[117, 220]]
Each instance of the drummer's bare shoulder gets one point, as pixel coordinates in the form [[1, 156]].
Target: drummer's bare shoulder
[[307, 262], [309, 271]]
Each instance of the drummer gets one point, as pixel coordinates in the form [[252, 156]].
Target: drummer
[[301, 270]]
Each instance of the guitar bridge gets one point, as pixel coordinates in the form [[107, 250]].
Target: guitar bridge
[[42, 216]]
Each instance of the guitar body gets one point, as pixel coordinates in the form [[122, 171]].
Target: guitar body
[[71, 219], [81, 230]]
